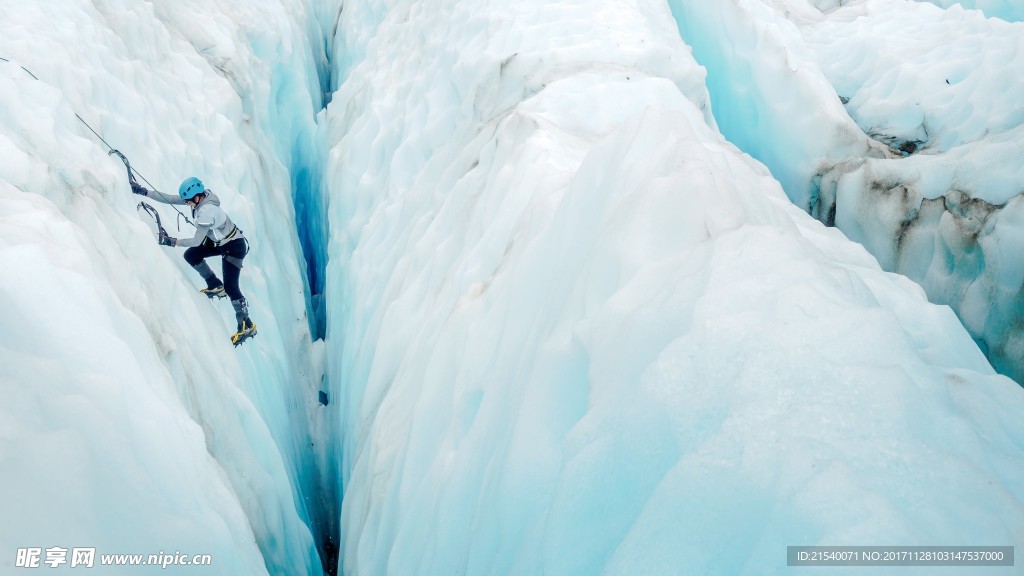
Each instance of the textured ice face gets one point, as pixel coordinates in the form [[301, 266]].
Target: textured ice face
[[129, 422], [1008, 10], [896, 122], [583, 334], [947, 210], [571, 329]]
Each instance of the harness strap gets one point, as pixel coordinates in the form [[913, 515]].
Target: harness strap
[[237, 262], [228, 237]]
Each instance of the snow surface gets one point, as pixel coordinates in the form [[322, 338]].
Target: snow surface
[[577, 317]]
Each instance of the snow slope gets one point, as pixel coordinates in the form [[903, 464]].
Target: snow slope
[[581, 333]]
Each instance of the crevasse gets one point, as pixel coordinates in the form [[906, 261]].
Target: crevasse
[[571, 329], [574, 330], [160, 435]]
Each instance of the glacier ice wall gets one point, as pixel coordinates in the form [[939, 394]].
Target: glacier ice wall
[[948, 211], [1008, 10], [768, 95], [573, 330], [902, 136], [129, 424]]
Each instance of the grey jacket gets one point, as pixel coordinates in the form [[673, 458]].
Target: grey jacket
[[210, 219]]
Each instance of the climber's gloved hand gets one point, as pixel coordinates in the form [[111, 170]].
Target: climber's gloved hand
[[138, 189], [166, 240]]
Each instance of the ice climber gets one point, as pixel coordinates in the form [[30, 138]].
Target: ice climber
[[216, 235]]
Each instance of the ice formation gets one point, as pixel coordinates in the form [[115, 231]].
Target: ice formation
[[550, 262], [896, 122], [584, 334], [129, 424], [1009, 10]]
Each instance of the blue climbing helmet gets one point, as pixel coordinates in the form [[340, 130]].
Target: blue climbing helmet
[[190, 188]]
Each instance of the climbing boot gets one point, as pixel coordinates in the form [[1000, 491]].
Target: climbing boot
[[212, 292], [246, 330], [214, 287], [246, 327]]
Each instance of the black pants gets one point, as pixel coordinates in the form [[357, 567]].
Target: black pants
[[234, 250]]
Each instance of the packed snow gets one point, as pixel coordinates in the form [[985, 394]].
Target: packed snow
[[561, 269]]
